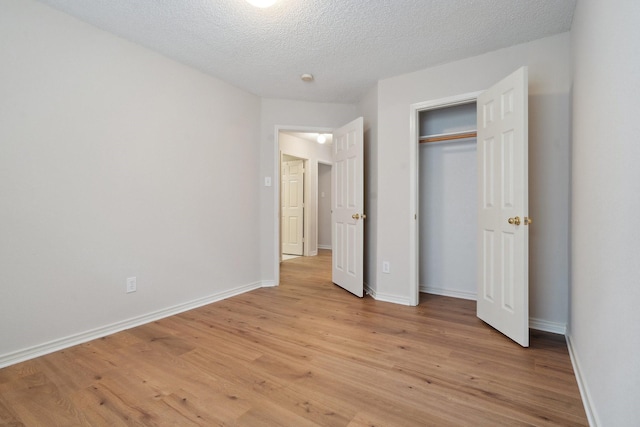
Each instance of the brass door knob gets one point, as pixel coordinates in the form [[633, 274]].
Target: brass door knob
[[515, 221], [355, 216], [528, 220]]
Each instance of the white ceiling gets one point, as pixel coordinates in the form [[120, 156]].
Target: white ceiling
[[346, 44]]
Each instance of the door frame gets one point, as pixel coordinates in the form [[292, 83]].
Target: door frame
[[276, 189], [414, 179]]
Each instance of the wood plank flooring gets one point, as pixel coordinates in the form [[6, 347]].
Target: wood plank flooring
[[306, 353]]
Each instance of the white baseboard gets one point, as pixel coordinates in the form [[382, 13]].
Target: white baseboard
[[82, 337], [545, 325], [367, 289], [448, 292], [268, 283], [592, 417], [378, 296], [324, 247]]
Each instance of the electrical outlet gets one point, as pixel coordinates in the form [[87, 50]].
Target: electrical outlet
[[131, 284], [386, 267]]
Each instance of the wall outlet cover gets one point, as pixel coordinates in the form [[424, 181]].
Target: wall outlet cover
[[386, 267], [131, 284]]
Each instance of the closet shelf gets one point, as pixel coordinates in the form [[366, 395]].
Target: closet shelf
[[449, 136]]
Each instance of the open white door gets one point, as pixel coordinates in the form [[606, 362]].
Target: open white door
[[292, 207], [503, 234], [347, 204]]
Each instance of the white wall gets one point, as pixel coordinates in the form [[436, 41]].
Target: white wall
[[448, 233], [115, 162], [605, 238], [291, 115], [313, 153], [324, 206], [549, 85]]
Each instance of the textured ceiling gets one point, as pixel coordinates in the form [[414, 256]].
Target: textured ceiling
[[346, 44]]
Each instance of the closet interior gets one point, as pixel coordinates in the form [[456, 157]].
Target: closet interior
[[448, 201]]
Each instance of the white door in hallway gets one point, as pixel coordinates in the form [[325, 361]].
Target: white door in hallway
[[503, 222], [292, 207], [347, 207]]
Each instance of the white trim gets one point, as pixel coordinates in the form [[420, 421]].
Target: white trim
[[386, 297], [102, 331], [448, 292], [547, 326], [306, 185], [276, 188], [325, 247], [414, 241], [589, 409], [414, 168], [268, 283]]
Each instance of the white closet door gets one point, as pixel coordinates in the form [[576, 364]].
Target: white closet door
[[503, 235]]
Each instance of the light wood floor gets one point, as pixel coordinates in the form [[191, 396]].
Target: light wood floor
[[304, 354]]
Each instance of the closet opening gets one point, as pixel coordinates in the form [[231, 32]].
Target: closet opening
[[448, 200], [445, 186], [501, 255]]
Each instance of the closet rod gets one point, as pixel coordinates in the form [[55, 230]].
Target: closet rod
[[448, 136]]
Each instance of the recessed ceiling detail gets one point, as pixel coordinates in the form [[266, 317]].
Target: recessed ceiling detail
[[350, 44]]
